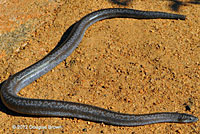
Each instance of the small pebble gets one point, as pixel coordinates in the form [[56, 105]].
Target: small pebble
[[84, 129], [101, 131]]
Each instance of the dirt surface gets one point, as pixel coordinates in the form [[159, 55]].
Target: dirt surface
[[125, 65]]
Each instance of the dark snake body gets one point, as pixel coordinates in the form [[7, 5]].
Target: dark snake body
[[43, 107]]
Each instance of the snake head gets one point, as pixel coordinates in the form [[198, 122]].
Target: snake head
[[187, 118]]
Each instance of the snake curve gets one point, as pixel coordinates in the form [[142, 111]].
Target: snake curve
[[43, 107]]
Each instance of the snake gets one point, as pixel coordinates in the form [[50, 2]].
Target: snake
[[68, 109]]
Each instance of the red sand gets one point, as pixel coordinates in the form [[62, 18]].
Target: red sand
[[126, 65]]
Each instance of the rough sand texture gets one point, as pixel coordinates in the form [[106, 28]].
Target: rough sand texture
[[125, 65]]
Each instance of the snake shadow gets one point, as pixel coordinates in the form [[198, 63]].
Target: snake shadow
[[4, 109], [175, 4]]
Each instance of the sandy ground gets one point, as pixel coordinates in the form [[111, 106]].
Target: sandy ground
[[125, 65]]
